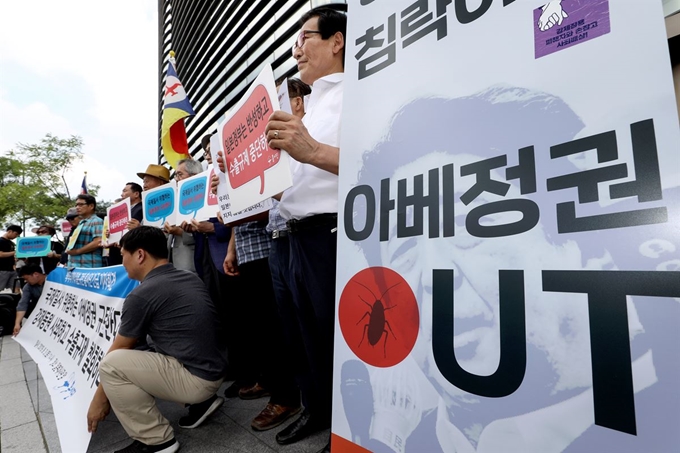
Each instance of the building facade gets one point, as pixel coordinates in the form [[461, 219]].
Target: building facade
[[220, 47]]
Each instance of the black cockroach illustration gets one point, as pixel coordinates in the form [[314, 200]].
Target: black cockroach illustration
[[376, 319]]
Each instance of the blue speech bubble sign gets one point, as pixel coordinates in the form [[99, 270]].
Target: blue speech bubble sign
[[33, 246], [159, 205], [192, 196]]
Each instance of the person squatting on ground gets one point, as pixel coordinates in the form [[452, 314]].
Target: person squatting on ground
[[174, 309], [30, 293]]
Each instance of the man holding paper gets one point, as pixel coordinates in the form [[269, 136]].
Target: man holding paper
[[310, 206], [84, 245]]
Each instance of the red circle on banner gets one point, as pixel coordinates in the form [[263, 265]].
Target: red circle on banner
[[378, 315]]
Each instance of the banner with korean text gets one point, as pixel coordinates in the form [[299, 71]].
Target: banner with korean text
[[229, 214], [160, 205], [194, 199], [508, 243], [254, 171], [118, 215], [33, 246], [68, 333]]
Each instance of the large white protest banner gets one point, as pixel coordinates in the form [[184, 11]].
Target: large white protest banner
[[508, 244], [254, 171], [68, 333]]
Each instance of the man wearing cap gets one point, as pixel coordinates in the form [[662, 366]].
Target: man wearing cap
[[48, 263], [84, 245], [73, 219], [154, 176], [7, 259]]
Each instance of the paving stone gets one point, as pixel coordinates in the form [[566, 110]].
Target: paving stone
[[12, 371], [50, 433], [16, 408], [30, 370], [11, 349], [22, 439]]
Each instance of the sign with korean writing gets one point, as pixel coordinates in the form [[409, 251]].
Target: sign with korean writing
[[159, 205], [194, 201], [33, 246], [255, 172], [65, 227], [508, 242], [68, 333], [229, 214], [119, 216]]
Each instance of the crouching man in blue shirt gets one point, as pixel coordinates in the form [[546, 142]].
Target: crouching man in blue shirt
[[174, 308]]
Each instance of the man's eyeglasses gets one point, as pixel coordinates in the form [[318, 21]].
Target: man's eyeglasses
[[81, 204], [302, 37]]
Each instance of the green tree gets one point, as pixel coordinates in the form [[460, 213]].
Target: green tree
[[32, 188]]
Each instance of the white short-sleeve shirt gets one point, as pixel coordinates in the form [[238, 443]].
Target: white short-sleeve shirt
[[315, 191]]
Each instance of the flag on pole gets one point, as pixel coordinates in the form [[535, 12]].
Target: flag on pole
[[176, 107], [83, 185]]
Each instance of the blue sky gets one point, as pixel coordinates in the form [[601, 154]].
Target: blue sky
[[85, 68]]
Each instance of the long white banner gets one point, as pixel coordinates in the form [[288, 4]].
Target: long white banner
[[508, 238], [67, 335]]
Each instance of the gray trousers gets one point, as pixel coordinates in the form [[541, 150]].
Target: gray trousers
[[7, 279]]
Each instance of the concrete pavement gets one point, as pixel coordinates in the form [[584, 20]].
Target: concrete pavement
[[27, 422]]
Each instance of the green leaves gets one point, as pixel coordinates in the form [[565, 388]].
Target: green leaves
[[32, 187]]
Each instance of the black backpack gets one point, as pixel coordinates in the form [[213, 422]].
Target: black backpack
[[8, 313]]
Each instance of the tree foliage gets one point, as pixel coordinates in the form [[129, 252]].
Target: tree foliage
[[32, 185]]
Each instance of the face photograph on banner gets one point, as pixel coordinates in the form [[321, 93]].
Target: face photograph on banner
[[68, 333], [254, 171], [522, 220], [160, 205], [228, 213]]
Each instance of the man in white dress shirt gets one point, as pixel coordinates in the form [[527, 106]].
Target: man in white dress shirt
[[310, 206]]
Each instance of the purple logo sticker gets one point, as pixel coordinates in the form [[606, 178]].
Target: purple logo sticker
[[560, 24]]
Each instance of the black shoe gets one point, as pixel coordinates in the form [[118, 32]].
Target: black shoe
[[326, 449], [199, 412], [170, 446], [299, 429], [233, 389]]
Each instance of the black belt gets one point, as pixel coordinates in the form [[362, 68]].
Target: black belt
[[276, 234], [312, 222]]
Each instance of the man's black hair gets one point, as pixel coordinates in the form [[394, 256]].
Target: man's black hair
[[16, 228], [135, 187], [150, 239], [29, 269], [330, 21], [87, 198], [205, 141], [298, 88]]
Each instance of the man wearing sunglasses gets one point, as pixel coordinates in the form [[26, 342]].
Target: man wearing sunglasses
[[310, 207]]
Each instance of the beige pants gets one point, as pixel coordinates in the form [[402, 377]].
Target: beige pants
[[133, 379]]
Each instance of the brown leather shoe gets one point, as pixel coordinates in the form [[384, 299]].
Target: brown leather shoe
[[253, 393], [272, 416]]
